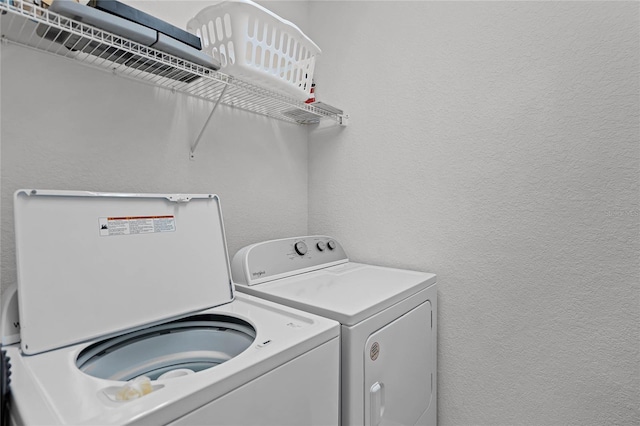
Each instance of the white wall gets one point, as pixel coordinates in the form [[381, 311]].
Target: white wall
[[497, 145], [70, 127]]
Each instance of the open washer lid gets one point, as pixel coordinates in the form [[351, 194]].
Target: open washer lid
[[94, 264]]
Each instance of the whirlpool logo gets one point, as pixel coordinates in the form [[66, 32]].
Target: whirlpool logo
[[258, 274]]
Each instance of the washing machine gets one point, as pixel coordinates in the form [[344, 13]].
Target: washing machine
[[128, 315], [388, 322]]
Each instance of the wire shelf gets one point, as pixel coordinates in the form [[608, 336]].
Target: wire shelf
[[32, 26]]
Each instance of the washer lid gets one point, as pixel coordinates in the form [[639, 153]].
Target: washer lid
[[95, 264]]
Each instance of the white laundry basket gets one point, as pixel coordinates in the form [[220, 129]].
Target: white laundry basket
[[256, 45]]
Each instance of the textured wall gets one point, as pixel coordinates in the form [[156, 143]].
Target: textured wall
[[497, 145]]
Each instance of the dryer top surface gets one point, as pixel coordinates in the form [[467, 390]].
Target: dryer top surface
[[347, 293]]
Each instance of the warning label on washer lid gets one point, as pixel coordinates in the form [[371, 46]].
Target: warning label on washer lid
[[132, 225]]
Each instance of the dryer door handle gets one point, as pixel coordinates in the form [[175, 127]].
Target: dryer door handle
[[376, 395]]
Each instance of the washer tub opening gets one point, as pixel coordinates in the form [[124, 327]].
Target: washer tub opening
[[194, 343]]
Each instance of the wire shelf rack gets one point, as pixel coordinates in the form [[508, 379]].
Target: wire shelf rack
[[32, 26]]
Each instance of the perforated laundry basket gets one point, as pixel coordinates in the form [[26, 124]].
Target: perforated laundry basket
[[256, 45]]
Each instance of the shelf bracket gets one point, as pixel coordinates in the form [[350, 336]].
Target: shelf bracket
[[195, 144]]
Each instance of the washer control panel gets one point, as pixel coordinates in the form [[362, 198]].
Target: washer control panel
[[277, 259]]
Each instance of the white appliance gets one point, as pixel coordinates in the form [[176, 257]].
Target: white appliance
[[116, 286], [388, 323]]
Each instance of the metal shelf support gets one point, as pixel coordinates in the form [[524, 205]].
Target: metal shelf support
[[206, 124]]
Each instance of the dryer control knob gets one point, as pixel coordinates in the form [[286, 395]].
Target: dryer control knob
[[321, 246], [301, 248], [331, 244]]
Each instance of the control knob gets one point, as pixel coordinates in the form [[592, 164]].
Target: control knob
[[301, 248], [331, 244], [321, 246]]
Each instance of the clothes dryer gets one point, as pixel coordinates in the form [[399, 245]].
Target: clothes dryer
[[388, 323], [128, 315]]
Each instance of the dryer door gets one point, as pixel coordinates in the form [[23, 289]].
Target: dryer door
[[398, 372]]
